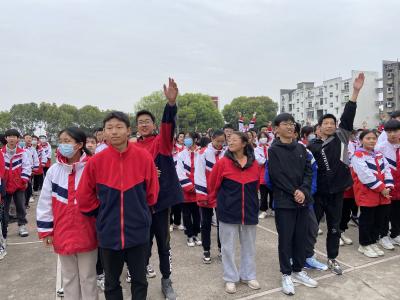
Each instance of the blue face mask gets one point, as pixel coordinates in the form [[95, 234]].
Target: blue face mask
[[21, 144], [188, 142], [66, 150]]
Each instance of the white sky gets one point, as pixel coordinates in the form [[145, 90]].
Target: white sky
[[111, 53]]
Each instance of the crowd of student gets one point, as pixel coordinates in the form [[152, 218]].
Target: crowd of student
[[97, 220]]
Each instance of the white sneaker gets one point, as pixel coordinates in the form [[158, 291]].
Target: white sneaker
[[3, 252], [263, 215], [396, 240], [367, 251], [287, 285], [31, 200], [346, 240], [303, 278], [197, 241], [272, 213], [385, 243], [100, 282], [377, 250], [171, 228], [230, 287], [22, 231], [190, 242], [181, 227], [253, 284], [320, 232], [341, 243]]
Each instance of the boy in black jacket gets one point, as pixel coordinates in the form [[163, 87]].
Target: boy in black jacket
[[289, 174], [330, 152]]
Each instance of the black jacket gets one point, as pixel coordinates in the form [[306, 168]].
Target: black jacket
[[331, 155], [289, 169]]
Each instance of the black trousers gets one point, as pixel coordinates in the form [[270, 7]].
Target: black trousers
[[349, 208], [292, 226], [312, 233], [37, 182], [28, 192], [331, 205], [19, 200], [160, 229], [372, 223], [191, 219], [3, 219], [99, 264], [265, 194], [45, 169], [206, 219], [395, 218], [176, 214], [113, 264]]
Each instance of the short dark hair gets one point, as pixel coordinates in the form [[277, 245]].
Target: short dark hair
[[306, 131], [297, 128], [367, 131], [326, 116], [181, 132], [26, 134], [392, 125], [3, 139], [395, 114], [78, 135], [92, 137], [12, 132], [194, 135], [145, 112], [204, 141], [227, 126], [98, 130], [261, 133], [35, 137], [217, 133], [119, 115], [282, 117]]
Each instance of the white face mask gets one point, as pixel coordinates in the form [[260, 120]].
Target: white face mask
[[263, 141], [311, 137]]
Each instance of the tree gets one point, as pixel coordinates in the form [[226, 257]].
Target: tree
[[89, 118], [155, 103], [198, 112], [25, 117], [52, 120], [5, 120], [264, 106]]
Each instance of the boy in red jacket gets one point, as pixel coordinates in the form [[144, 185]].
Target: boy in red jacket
[[18, 169], [3, 251], [120, 186]]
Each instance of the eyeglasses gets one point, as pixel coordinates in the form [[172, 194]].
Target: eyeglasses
[[287, 124], [146, 122]]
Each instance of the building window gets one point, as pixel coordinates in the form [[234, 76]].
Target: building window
[[309, 104], [325, 88], [390, 89], [331, 104], [298, 101], [337, 86], [321, 101], [346, 98], [346, 86], [337, 110], [337, 98], [326, 100], [331, 94], [298, 109]]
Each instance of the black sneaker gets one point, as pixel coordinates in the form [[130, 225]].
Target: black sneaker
[[206, 257], [167, 289]]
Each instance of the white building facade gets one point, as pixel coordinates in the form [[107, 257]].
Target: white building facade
[[308, 102]]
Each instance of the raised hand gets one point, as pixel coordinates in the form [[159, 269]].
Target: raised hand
[[357, 86], [171, 92]]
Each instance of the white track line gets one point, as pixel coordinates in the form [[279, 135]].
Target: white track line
[[58, 278], [315, 250], [24, 243]]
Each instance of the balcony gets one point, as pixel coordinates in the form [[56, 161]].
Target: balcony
[[379, 90], [389, 95], [390, 81]]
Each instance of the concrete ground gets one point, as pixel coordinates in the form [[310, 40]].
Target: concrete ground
[[29, 271]]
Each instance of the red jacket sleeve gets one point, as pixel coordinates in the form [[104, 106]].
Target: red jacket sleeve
[[167, 129], [216, 177], [86, 194], [2, 171], [152, 185]]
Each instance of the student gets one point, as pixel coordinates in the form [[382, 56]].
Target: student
[[234, 182], [330, 152], [390, 148], [306, 135], [228, 130], [60, 223], [290, 176], [245, 128], [3, 250], [91, 144], [261, 155], [122, 200], [185, 169], [33, 156], [207, 158], [160, 147], [395, 115], [373, 182], [47, 153], [18, 170], [38, 173]]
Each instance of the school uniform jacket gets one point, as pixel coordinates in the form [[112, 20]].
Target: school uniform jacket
[[118, 188], [160, 147], [2, 171], [185, 168], [392, 155], [42, 160], [204, 164], [58, 213], [177, 149], [371, 174], [18, 170], [33, 157], [235, 190], [251, 124], [261, 154], [47, 155]]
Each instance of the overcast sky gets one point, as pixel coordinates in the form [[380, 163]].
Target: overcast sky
[[111, 53]]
